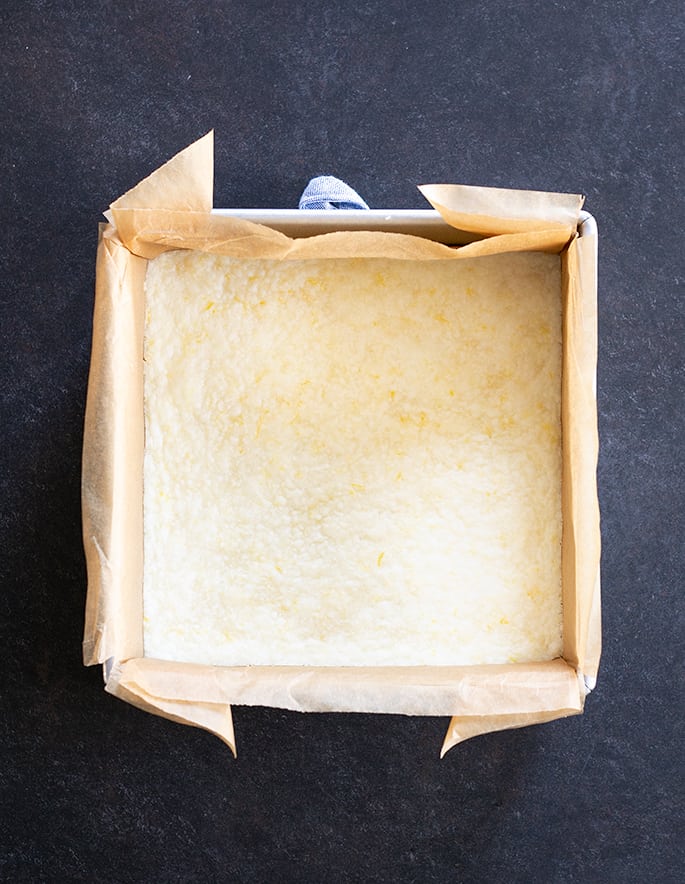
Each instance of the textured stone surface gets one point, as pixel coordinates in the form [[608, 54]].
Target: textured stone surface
[[584, 97]]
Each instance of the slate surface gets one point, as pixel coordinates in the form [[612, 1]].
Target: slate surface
[[585, 97]]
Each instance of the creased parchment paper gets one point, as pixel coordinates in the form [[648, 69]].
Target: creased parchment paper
[[171, 209]]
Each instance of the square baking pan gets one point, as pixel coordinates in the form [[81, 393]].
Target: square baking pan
[[478, 698]]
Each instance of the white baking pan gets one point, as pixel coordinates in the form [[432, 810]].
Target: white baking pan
[[427, 223]]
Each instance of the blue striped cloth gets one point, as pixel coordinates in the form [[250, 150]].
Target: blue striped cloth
[[327, 192]]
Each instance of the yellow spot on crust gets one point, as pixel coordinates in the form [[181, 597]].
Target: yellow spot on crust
[[209, 305], [258, 428], [504, 621], [418, 420], [380, 559]]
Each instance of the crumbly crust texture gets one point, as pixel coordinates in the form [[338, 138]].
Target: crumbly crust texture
[[352, 462]]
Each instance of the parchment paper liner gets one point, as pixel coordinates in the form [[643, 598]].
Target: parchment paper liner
[[172, 209]]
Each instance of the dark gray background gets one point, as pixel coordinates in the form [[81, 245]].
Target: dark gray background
[[578, 96]]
